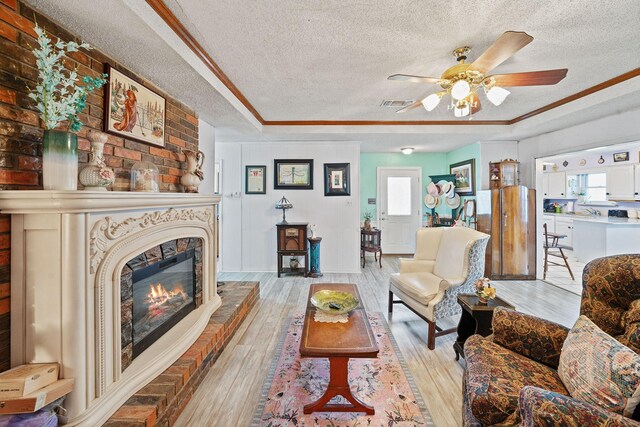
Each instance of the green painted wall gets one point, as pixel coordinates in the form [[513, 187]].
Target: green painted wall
[[431, 164]]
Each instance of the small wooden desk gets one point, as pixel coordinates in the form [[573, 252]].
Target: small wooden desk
[[475, 319], [338, 342]]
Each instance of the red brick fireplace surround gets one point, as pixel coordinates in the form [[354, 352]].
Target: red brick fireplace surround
[[163, 399], [21, 130]]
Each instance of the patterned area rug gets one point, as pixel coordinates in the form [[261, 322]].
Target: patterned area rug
[[385, 383]]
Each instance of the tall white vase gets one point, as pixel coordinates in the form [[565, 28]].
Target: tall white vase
[[97, 176], [60, 160]]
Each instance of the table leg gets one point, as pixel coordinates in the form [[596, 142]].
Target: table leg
[[338, 386]]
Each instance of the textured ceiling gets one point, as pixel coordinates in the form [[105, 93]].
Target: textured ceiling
[[122, 35], [329, 60]]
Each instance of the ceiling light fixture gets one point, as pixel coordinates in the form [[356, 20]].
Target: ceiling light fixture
[[464, 80], [407, 150], [496, 94], [432, 101]]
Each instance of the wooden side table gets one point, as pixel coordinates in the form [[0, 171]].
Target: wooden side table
[[475, 319], [370, 241], [292, 241]]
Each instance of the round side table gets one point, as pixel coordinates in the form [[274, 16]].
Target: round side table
[[314, 257]]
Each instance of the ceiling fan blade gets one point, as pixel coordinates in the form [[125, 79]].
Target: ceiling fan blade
[[411, 106], [502, 49], [530, 78], [474, 101], [417, 79]]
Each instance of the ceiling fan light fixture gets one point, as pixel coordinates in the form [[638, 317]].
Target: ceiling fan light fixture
[[407, 150], [461, 110], [497, 95], [431, 101], [460, 90]]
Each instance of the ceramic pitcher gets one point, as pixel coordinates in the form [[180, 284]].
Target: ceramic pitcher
[[193, 176]]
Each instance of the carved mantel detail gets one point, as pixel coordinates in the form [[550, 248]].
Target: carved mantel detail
[[107, 230]]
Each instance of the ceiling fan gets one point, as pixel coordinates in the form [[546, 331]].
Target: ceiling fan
[[463, 80]]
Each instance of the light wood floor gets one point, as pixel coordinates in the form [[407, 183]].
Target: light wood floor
[[559, 275], [230, 392]]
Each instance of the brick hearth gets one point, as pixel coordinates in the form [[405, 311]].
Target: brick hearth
[[161, 401]]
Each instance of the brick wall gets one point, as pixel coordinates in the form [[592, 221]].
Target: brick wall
[[21, 130]]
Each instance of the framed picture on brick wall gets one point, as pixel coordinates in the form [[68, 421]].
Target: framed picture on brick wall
[[133, 111]]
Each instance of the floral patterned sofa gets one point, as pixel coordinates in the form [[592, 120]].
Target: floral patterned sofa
[[511, 376]]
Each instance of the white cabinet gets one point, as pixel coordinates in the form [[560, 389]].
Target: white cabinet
[[565, 226], [545, 185], [557, 185], [637, 182], [620, 182], [550, 220]]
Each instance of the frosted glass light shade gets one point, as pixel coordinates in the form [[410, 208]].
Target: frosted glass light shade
[[407, 150], [460, 90], [461, 111], [497, 95], [431, 101]]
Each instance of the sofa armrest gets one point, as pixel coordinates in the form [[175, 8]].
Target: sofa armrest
[[532, 337], [411, 265], [539, 407]]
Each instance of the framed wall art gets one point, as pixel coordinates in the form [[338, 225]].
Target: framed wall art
[[293, 174], [465, 173], [133, 111], [337, 179], [621, 157], [255, 180]]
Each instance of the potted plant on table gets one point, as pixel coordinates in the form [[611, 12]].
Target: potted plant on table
[[60, 98], [368, 216]]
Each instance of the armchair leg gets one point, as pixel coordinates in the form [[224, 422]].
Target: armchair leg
[[431, 337], [390, 302]]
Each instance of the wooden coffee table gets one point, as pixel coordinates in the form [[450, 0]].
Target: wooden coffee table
[[338, 342]]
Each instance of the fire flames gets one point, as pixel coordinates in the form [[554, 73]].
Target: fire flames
[[159, 295]]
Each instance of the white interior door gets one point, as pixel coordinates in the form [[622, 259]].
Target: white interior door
[[399, 208]]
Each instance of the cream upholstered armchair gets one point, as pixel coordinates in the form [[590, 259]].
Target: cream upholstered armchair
[[446, 263]]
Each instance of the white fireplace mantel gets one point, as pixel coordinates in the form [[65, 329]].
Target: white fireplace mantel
[[68, 249]]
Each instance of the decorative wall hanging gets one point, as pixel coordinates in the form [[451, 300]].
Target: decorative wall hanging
[[465, 173], [255, 180], [621, 157], [583, 162], [601, 160], [133, 111], [293, 174], [337, 179], [565, 163]]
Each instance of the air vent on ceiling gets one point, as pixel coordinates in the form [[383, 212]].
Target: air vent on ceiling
[[391, 103]]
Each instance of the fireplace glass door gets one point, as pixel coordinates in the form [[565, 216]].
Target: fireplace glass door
[[163, 294]]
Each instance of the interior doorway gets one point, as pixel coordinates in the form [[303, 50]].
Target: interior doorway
[[399, 208]]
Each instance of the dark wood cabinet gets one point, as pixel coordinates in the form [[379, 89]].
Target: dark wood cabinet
[[509, 216], [292, 242]]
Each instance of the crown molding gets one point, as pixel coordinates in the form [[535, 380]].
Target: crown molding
[[160, 8]]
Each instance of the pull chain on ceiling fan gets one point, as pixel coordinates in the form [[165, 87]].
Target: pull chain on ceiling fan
[[462, 81]]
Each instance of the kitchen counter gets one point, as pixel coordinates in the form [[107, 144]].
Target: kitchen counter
[[596, 237], [597, 219]]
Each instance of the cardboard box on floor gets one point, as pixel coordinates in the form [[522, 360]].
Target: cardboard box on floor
[[37, 400], [26, 379]]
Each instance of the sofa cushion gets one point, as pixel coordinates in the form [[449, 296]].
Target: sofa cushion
[[495, 377], [631, 325], [422, 287], [599, 370]]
